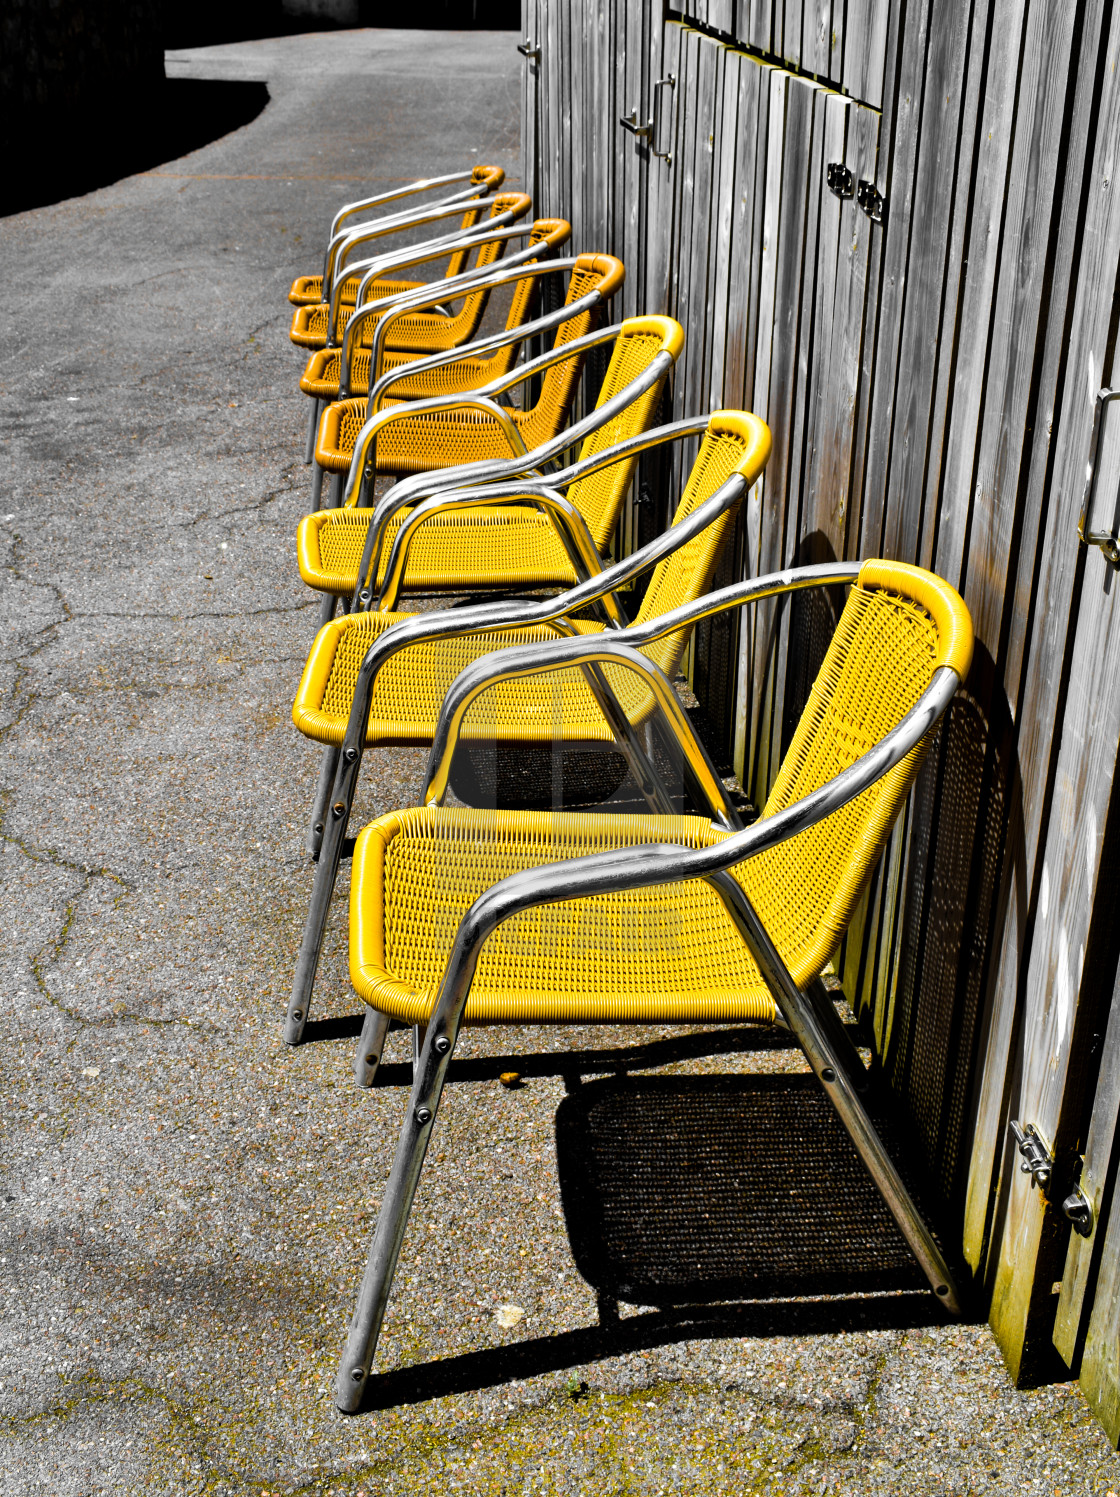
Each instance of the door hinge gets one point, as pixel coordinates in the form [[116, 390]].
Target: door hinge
[[870, 199], [840, 179]]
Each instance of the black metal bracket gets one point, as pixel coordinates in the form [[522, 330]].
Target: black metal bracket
[[840, 179], [870, 199]]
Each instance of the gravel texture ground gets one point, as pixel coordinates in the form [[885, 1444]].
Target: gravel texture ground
[[184, 1202]]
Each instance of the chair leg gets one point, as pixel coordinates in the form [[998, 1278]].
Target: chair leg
[[323, 790], [418, 1033], [375, 1027], [326, 872], [829, 1064], [316, 489], [338, 482], [365, 1327], [326, 609], [312, 428]]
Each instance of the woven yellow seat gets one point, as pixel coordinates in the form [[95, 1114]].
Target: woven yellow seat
[[430, 332], [411, 686], [461, 916], [308, 289], [310, 323]]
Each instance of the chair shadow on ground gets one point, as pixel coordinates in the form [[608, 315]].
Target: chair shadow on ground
[[732, 1205]]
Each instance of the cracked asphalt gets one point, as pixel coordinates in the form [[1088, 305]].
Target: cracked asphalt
[[185, 1203]]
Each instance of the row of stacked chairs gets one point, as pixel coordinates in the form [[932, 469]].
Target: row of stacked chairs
[[451, 464]]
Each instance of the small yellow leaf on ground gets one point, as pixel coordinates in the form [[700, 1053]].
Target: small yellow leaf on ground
[[508, 1316]]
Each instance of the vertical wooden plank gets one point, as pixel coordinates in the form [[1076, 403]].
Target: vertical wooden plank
[[865, 33], [530, 104], [781, 389], [1088, 1272], [721, 16], [830, 482], [1015, 1317], [816, 37], [1033, 663], [791, 33], [663, 178], [1100, 1367], [759, 32], [721, 242]]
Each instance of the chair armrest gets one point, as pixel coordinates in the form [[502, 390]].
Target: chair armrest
[[438, 294], [417, 254], [428, 185], [482, 347], [420, 488], [566, 519], [346, 239]]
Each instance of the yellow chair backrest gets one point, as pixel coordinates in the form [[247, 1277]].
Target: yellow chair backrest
[[490, 178], [735, 442], [899, 624], [558, 387], [599, 497]]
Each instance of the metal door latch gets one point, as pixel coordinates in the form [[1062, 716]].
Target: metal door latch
[[630, 122], [1037, 1161], [648, 131], [529, 49], [840, 179], [1039, 1164], [870, 199]]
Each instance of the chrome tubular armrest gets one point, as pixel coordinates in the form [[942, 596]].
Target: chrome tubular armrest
[[438, 294], [395, 194], [457, 287], [481, 348], [479, 399], [601, 585], [566, 519], [444, 245], [413, 490], [492, 667], [518, 661], [380, 228]]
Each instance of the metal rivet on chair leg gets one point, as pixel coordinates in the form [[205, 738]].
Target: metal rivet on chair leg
[[443, 1045], [828, 1074], [350, 755], [357, 1374], [297, 1014], [338, 810], [423, 1115], [319, 829]]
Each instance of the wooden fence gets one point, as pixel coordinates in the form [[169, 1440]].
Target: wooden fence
[[893, 231]]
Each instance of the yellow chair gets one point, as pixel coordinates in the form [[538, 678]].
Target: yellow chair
[[471, 188], [464, 916], [335, 546], [321, 324], [418, 331], [399, 687]]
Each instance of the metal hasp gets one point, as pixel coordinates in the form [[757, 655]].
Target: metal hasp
[[1039, 1164], [1108, 537], [648, 131], [529, 49], [1036, 1157], [840, 179], [870, 199]]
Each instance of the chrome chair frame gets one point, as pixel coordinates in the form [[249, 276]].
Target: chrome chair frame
[[634, 868], [428, 184], [334, 263], [378, 266], [338, 776], [417, 299]]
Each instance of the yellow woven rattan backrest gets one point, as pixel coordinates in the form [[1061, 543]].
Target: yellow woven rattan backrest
[[735, 442], [599, 497], [552, 232], [492, 178], [558, 387], [899, 624]]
